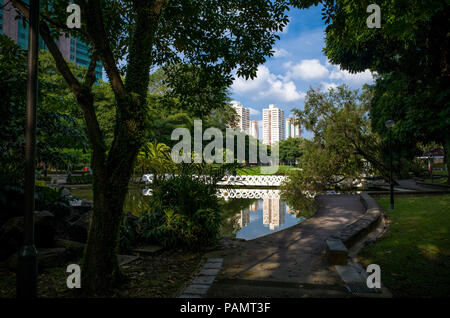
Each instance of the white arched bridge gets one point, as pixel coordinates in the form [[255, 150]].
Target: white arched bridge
[[257, 181]]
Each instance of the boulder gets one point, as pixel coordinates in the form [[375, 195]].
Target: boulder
[[74, 250], [11, 233], [78, 230], [131, 219], [46, 258]]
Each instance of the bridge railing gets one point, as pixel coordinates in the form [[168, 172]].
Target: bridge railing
[[270, 181]]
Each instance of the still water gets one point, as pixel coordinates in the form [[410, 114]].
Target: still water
[[248, 213], [252, 218]]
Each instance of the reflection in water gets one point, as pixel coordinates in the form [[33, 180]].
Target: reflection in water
[[249, 213], [252, 218]]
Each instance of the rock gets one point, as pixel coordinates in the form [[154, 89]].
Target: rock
[[78, 211], [131, 219], [11, 233], [78, 231], [45, 229], [61, 210], [84, 221], [74, 249], [65, 192], [87, 203], [46, 258], [11, 236]]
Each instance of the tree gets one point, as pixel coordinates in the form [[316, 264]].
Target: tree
[[409, 52], [217, 36], [290, 150], [59, 131], [342, 137]]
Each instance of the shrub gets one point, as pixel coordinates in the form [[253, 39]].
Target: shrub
[[85, 179], [171, 229]]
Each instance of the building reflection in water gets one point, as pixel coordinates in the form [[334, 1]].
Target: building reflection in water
[[274, 212]]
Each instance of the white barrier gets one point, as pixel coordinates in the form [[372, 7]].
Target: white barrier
[[270, 181]]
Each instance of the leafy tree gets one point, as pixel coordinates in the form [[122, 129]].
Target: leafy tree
[[58, 129], [342, 137], [290, 149], [12, 111], [409, 52], [216, 36]]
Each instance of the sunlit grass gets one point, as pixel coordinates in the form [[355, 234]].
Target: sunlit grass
[[414, 256]]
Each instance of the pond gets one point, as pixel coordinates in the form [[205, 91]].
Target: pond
[[252, 218], [248, 213]]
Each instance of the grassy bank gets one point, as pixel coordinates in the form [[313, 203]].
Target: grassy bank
[[256, 171], [414, 255]]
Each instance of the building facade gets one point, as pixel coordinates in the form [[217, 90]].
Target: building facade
[[292, 130], [254, 129], [273, 125], [13, 26], [243, 117]]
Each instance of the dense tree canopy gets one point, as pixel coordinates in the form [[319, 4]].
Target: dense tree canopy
[[342, 140], [410, 53]]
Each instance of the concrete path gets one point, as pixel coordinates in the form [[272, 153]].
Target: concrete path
[[289, 263], [411, 184]]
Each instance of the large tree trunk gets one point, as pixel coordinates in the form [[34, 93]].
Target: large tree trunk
[[111, 178], [103, 239]]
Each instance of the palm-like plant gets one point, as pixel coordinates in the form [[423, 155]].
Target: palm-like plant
[[155, 158]]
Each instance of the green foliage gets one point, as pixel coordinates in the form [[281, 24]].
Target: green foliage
[[155, 158], [410, 54], [295, 196], [85, 179], [342, 138], [46, 199], [12, 111], [290, 149], [195, 231], [185, 212], [58, 128]]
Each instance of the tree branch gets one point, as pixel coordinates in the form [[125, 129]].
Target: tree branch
[[82, 94], [99, 38], [61, 63], [90, 74]]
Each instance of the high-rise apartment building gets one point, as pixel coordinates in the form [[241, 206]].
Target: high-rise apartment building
[[254, 129], [72, 49], [273, 125], [292, 130], [243, 117]]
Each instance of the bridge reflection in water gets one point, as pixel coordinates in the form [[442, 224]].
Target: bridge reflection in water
[[252, 213], [260, 213]]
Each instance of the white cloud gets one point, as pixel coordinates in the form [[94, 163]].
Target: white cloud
[[280, 53], [254, 111], [353, 79], [307, 70], [326, 86], [268, 85]]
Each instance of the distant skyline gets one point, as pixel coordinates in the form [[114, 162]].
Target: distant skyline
[[298, 63]]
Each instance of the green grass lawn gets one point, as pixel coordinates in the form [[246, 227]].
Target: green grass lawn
[[256, 171], [414, 255]]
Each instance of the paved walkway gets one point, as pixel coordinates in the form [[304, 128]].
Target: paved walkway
[[289, 263], [411, 184]]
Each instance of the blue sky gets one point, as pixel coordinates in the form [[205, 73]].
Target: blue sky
[[298, 64]]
